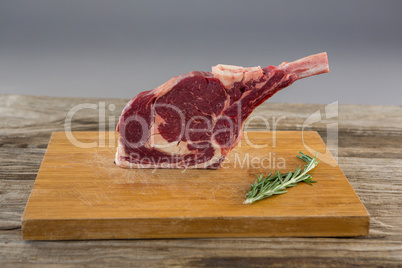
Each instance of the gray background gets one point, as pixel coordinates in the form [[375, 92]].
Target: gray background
[[119, 48]]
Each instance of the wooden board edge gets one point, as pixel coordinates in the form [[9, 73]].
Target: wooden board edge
[[23, 217], [322, 226], [365, 209]]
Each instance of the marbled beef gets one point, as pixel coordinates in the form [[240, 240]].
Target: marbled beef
[[196, 119]]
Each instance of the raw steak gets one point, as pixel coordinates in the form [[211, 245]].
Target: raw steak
[[196, 119]]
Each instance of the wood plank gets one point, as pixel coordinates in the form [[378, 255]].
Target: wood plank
[[201, 252], [80, 194]]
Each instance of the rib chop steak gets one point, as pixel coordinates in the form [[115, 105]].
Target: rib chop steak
[[194, 120]]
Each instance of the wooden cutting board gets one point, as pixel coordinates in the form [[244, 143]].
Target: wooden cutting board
[[80, 193]]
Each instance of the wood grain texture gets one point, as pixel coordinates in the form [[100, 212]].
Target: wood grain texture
[[370, 154], [80, 194]]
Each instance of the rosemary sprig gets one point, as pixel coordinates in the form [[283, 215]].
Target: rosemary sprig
[[264, 187]]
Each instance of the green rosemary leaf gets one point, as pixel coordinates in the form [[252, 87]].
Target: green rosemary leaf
[[266, 186]]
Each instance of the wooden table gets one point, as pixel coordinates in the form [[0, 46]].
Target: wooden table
[[370, 154]]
